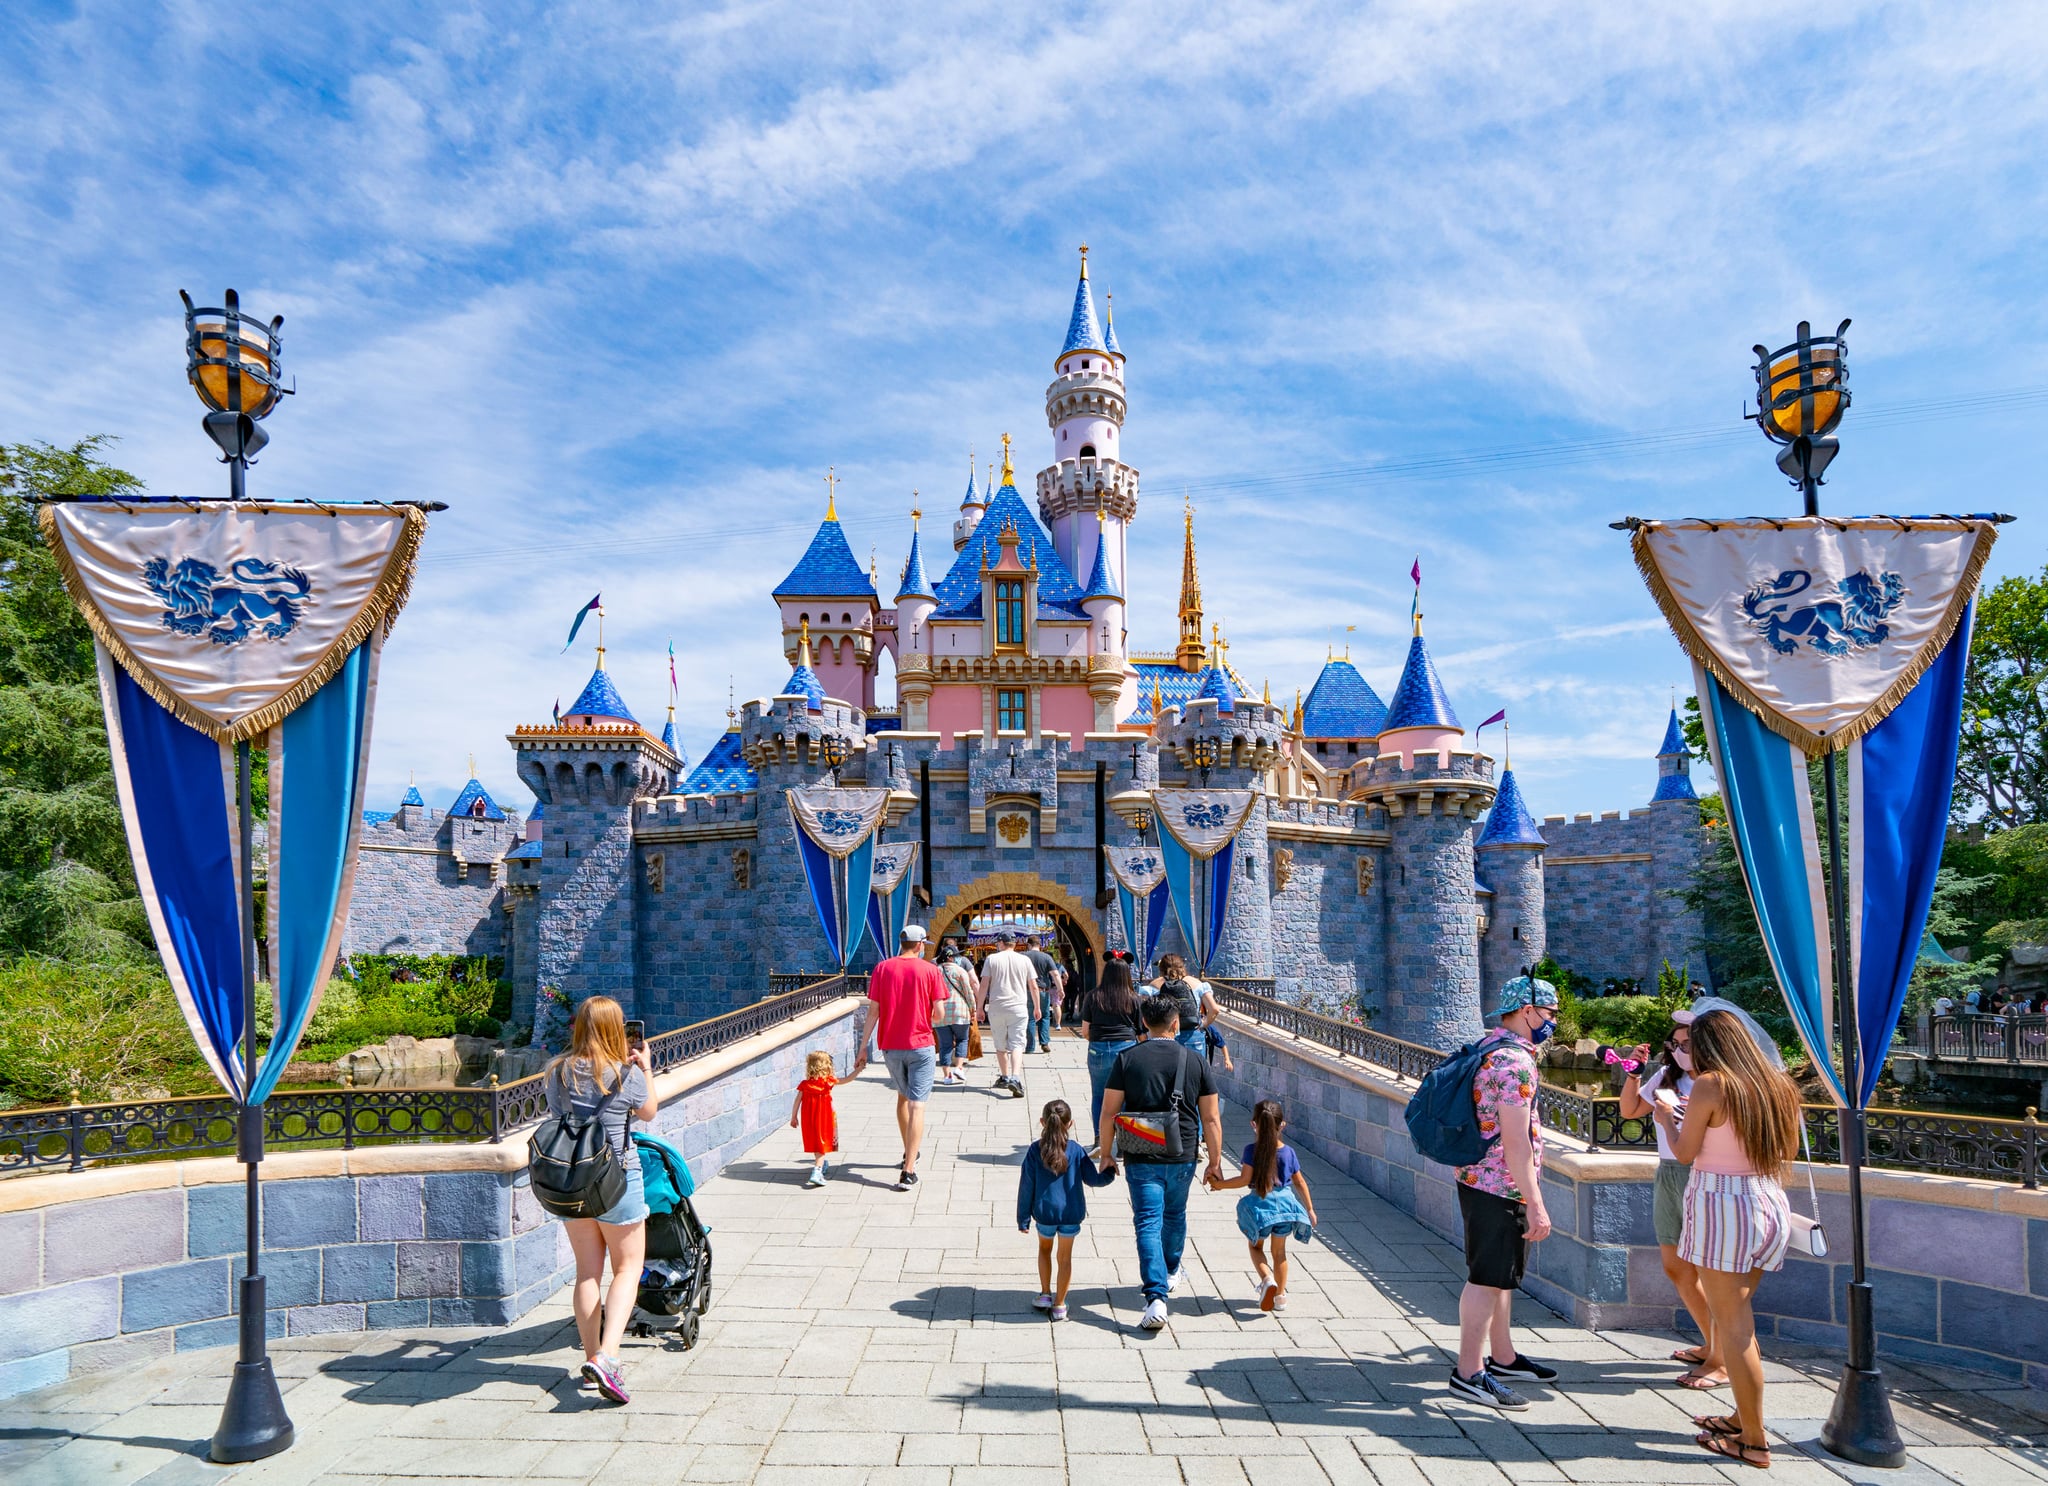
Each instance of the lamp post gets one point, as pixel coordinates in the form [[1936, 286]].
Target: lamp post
[[1802, 392], [232, 362], [833, 751], [1204, 752]]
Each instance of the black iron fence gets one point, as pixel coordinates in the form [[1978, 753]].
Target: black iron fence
[[1909, 1140], [82, 1135]]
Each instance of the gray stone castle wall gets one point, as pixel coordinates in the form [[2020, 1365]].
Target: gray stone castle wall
[[427, 884], [1329, 953], [1517, 927], [1609, 887]]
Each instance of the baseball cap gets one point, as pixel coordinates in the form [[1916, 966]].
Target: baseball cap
[[1523, 991], [913, 934]]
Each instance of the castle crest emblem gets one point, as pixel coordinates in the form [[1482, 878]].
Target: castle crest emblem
[[257, 598], [1787, 611]]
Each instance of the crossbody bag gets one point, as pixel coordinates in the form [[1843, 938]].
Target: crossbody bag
[[1155, 1134], [1807, 1234]]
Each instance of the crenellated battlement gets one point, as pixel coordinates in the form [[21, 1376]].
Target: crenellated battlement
[[1248, 736], [1076, 486], [780, 732], [1455, 782], [697, 818]]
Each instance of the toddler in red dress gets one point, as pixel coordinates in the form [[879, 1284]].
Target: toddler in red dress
[[813, 1112]]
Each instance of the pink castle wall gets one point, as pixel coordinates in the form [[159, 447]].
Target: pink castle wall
[[1066, 709], [955, 710]]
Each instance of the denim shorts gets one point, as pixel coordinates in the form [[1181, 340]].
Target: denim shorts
[[911, 1070], [632, 1204], [1059, 1230]]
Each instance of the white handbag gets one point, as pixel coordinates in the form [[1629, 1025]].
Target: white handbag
[[1808, 1237]]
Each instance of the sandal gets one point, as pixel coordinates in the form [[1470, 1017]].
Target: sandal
[[1694, 1377], [1722, 1424], [1731, 1447], [1691, 1356]]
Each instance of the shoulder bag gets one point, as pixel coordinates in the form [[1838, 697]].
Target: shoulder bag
[[1155, 1134], [1808, 1237]]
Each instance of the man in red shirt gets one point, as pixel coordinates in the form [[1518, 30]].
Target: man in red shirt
[[902, 995]]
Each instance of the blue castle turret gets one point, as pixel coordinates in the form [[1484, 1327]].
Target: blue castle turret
[[1510, 854], [1674, 765]]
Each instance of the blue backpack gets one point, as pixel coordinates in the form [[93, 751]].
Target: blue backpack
[[1443, 1120]]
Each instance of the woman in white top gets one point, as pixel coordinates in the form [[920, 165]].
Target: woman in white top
[[1674, 1073]]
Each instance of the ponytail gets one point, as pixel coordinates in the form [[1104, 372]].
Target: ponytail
[[1268, 1117], [1055, 1128]]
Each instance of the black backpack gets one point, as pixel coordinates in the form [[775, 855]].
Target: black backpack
[[575, 1171], [1443, 1120], [1183, 996]]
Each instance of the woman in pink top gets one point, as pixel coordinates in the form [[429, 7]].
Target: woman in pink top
[[1740, 1132]]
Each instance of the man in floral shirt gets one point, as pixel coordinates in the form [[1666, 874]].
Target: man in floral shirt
[[1501, 1198]]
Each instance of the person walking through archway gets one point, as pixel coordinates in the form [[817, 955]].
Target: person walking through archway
[[1109, 1022], [1009, 996], [1168, 1103], [903, 995], [1038, 1031]]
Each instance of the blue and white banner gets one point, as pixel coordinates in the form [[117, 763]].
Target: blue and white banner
[[888, 898], [1810, 637], [217, 625], [1141, 894], [835, 836], [1197, 843]]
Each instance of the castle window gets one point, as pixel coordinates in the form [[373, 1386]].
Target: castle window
[[1009, 613], [1322, 748], [1084, 365], [1087, 451], [1351, 747], [1011, 707]]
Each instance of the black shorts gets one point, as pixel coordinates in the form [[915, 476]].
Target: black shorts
[[1496, 1248]]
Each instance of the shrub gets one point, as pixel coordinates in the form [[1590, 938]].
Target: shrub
[[108, 1031]]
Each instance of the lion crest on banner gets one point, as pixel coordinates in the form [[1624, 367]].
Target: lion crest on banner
[[259, 598], [1853, 619]]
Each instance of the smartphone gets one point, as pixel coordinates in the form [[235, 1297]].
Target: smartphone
[[636, 1034]]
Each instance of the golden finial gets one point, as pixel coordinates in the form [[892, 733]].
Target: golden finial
[[1269, 691], [915, 513], [831, 494], [871, 562], [1507, 744], [1084, 260], [1418, 622], [1297, 709], [472, 766], [1009, 470], [1111, 313], [1155, 699], [1101, 516], [803, 646], [1349, 629], [732, 711]]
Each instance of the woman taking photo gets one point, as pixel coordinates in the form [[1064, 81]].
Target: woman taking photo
[[1740, 1132], [1638, 1094], [1109, 1020], [600, 1075]]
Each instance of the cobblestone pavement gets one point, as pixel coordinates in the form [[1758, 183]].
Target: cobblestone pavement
[[858, 1334]]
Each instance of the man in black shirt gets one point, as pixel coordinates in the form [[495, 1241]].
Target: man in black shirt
[[1038, 1031], [1142, 1082]]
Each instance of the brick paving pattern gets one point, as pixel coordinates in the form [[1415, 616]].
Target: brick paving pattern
[[858, 1334]]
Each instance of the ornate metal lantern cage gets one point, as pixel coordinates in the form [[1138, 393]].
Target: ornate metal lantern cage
[[234, 363], [1802, 390]]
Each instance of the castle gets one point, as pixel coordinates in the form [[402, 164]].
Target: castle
[[1384, 865]]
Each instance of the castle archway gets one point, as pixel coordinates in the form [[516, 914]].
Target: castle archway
[[1028, 900]]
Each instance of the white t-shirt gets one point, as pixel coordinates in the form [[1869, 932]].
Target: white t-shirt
[[1649, 1086], [1944, 1005], [1007, 980]]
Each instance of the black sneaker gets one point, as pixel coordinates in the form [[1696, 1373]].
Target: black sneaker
[[1522, 1370], [905, 1180], [1016, 1089], [1483, 1387]]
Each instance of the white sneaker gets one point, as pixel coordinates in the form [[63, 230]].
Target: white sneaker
[[1173, 1282], [1154, 1318]]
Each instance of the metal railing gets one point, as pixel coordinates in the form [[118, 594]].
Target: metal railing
[[1905, 1139], [2021, 1042], [76, 1136]]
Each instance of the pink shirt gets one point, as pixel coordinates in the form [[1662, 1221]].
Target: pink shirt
[[1721, 1153], [908, 991]]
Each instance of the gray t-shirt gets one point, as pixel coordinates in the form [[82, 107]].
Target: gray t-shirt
[[582, 1095], [1044, 964]]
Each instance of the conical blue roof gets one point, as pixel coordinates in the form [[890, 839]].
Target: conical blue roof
[[1342, 705], [915, 584], [1109, 338], [803, 682], [1084, 332], [959, 592], [1101, 584], [1510, 824], [1419, 699], [1216, 683], [1674, 738], [599, 698], [725, 770], [975, 496], [668, 737], [466, 802], [412, 797], [827, 569], [536, 813]]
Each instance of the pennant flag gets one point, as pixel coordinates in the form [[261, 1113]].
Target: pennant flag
[[835, 836], [1139, 873], [256, 622], [1198, 829], [1500, 716], [558, 711], [672, 688], [889, 901], [596, 605], [1415, 604], [1808, 637]]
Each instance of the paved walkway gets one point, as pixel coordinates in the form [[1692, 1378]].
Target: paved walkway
[[860, 1334]]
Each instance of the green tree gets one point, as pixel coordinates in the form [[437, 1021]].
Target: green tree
[[2002, 767], [67, 888]]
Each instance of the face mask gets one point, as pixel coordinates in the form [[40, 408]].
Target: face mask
[[1682, 1056], [1542, 1033]]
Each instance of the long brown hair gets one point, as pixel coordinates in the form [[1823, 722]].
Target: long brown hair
[[1115, 993], [1762, 1101], [597, 1037], [1269, 1117], [1055, 1129]]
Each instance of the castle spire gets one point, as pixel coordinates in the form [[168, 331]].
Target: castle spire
[[1674, 764], [1109, 330], [1190, 654], [1009, 469], [1084, 331], [831, 494]]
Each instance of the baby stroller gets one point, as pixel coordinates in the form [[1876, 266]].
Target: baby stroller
[[675, 1280]]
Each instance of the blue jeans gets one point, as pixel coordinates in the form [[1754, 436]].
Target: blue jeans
[[1038, 1033], [952, 1043], [1159, 1213], [1193, 1041], [1101, 1057]]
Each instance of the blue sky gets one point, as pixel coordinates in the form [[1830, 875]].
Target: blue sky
[[619, 282]]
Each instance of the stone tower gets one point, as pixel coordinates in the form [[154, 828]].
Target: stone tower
[[829, 593], [1433, 791], [1677, 841], [1189, 653], [1247, 735], [1084, 408], [589, 771], [784, 739], [1510, 852]]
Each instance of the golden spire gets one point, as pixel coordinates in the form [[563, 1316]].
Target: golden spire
[[1084, 260], [1155, 701], [1009, 470], [732, 712], [803, 646], [831, 495], [472, 766], [1297, 711], [1507, 744], [1190, 654], [1101, 516], [915, 513], [1269, 691], [1418, 621]]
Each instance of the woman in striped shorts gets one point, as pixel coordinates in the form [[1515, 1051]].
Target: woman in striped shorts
[[1740, 1132]]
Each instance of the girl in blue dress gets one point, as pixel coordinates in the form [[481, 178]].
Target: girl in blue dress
[[1278, 1206]]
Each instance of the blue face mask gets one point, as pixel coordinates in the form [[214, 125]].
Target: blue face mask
[[1542, 1033]]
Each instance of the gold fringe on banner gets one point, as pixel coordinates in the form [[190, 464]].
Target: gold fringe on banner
[[394, 587], [1812, 744]]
